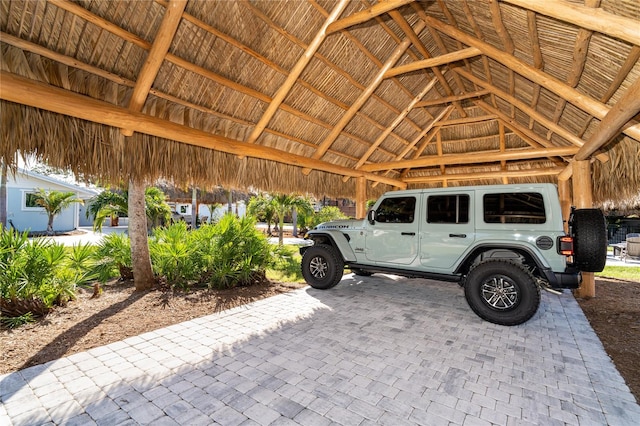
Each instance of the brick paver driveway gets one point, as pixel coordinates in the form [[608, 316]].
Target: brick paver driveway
[[377, 350]]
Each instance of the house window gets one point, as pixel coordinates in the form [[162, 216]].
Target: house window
[[29, 201]]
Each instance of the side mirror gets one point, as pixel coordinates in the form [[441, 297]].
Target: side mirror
[[371, 216]]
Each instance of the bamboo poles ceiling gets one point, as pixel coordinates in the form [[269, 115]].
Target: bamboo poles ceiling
[[305, 95]]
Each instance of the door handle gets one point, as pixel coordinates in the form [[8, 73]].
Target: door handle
[[407, 233], [458, 235]]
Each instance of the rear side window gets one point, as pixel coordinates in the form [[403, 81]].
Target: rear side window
[[396, 210], [448, 209], [517, 207]]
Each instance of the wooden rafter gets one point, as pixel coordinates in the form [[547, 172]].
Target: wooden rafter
[[395, 123], [417, 43], [332, 66], [467, 120], [449, 99], [379, 8], [302, 63], [598, 20], [39, 95], [433, 62], [358, 103], [157, 53], [536, 53], [496, 174], [580, 50], [473, 157], [586, 103]]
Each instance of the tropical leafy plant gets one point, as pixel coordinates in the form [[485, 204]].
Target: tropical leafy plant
[[113, 204], [262, 207], [284, 204], [326, 214], [113, 258], [54, 202], [32, 275]]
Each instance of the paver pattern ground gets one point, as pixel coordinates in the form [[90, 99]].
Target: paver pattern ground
[[383, 350]]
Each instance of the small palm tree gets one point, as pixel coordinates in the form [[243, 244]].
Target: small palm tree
[[107, 204], [116, 203], [53, 202], [262, 206], [285, 203]]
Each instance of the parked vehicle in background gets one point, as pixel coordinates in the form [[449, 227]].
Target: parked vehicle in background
[[501, 243]]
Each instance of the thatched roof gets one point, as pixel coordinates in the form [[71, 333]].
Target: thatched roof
[[306, 96]]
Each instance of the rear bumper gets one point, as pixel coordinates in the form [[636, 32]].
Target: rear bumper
[[571, 278]]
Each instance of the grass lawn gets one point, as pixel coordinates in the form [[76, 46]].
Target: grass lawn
[[627, 273]]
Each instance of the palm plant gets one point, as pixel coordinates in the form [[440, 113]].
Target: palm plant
[[53, 202], [285, 203], [262, 206], [115, 203], [107, 204]]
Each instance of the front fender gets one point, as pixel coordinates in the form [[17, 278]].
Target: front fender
[[335, 239]]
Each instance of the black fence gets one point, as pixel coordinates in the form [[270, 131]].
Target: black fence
[[618, 228]]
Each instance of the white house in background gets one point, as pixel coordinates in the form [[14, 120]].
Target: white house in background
[[25, 215]]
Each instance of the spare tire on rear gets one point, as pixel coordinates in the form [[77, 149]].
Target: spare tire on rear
[[589, 232]]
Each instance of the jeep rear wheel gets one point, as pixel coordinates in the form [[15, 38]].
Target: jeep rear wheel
[[589, 232], [502, 292], [322, 267]]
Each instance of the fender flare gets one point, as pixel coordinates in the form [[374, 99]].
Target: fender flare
[[335, 239]]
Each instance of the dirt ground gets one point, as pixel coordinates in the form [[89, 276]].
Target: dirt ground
[[120, 313]]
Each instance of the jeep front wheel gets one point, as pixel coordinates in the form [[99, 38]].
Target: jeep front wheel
[[502, 292], [322, 267]]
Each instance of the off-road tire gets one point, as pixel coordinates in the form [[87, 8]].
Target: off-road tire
[[322, 266], [361, 272], [502, 292], [589, 232]]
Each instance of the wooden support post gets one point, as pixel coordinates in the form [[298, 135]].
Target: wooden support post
[[361, 197], [564, 192], [583, 199]]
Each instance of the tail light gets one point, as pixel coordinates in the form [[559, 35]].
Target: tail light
[[565, 245]]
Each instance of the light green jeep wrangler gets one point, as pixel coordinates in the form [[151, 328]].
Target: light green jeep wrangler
[[501, 243]]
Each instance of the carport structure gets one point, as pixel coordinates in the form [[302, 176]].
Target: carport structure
[[341, 98]]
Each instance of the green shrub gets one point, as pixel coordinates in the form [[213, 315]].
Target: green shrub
[[172, 256], [326, 214], [228, 253], [112, 258], [33, 277]]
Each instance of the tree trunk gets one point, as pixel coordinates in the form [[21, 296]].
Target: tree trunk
[[142, 273], [294, 215], [3, 194], [50, 225]]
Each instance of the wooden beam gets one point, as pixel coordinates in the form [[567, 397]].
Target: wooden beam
[[580, 100], [473, 157], [619, 116], [159, 49], [583, 199], [433, 62], [24, 91], [417, 43], [361, 197], [467, 120], [450, 99], [495, 174], [360, 101], [302, 63], [379, 8], [560, 131], [598, 20]]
